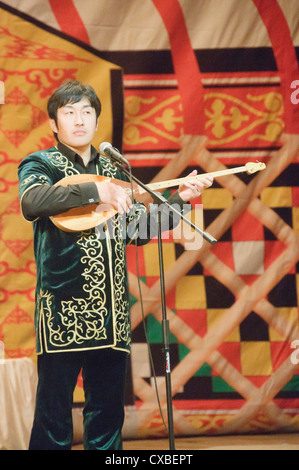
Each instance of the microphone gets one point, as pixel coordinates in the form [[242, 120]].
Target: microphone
[[107, 149]]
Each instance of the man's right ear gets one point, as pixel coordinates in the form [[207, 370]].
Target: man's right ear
[[53, 125]]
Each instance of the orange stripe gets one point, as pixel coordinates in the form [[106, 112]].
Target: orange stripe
[[285, 55], [69, 19], [185, 65]]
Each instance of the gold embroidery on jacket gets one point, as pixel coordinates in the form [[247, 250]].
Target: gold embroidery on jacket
[[83, 319], [123, 328], [61, 162], [120, 300]]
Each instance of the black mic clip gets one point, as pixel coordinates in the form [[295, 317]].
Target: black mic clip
[[113, 153]]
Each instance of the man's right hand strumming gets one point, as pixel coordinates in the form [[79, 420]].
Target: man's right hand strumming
[[114, 195]]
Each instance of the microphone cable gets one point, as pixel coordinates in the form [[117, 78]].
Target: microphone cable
[[143, 316]]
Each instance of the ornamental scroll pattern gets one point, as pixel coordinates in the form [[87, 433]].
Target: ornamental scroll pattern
[[150, 119], [84, 318], [231, 118], [121, 304], [120, 299], [61, 162], [81, 319], [21, 48]]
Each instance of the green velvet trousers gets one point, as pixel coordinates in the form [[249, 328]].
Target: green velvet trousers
[[104, 375]]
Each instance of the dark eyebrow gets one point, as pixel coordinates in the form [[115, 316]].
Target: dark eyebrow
[[71, 105]]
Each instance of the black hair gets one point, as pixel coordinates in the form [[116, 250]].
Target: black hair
[[72, 92]]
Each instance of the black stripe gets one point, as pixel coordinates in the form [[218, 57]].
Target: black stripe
[[259, 59]]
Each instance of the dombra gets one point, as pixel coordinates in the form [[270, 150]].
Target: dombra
[[85, 218]]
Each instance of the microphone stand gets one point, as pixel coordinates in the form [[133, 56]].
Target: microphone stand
[[160, 200]]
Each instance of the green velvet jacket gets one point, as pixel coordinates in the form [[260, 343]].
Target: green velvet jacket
[[82, 287]]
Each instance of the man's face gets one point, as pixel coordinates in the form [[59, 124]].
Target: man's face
[[76, 124]]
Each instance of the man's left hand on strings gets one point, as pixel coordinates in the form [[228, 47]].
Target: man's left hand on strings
[[194, 188]]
